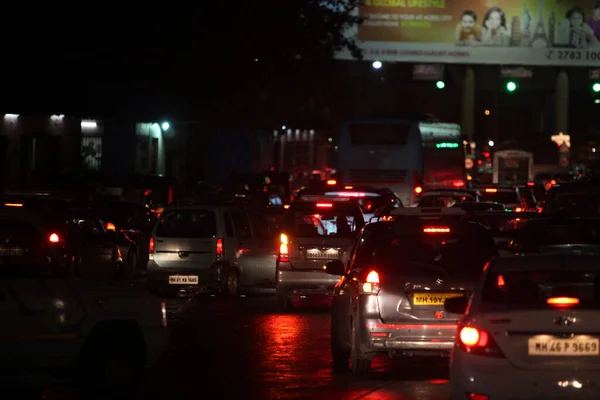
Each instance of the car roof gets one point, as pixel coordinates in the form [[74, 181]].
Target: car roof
[[448, 190], [546, 263]]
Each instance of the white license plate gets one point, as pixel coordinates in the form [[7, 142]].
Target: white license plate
[[183, 280], [564, 347], [322, 254]]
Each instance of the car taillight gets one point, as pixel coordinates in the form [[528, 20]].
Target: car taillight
[[436, 229], [151, 246], [477, 341], [110, 226], [54, 238], [418, 189], [219, 249], [371, 284], [519, 209], [458, 183], [284, 254], [562, 301]]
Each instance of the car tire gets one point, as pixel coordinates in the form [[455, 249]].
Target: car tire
[[340, 354], [232, 283], [112, 364], [360, 362]]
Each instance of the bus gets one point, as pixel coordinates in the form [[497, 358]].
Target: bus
[[443, 155], [382, 153]]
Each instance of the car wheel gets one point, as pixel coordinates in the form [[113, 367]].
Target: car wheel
[[232, 284], [340, 354], [359, 361]]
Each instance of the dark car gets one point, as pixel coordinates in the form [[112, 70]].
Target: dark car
[[578, 199], [559, 235], [391, 296]]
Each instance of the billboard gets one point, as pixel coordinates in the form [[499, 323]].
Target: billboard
[[509, 32]]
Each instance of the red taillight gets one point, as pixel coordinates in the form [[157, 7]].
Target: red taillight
[[284, 254], [110, 226], [348, 187], [477, 396], [458, 183], [219, 249], [332, 182], [562, 301], [54, 238], [324, 205], [418, 189], [371, 284], [519, 209], [500, 282], [151, 246], [477, 341], [491, 190], [530, 184], [436, 229]]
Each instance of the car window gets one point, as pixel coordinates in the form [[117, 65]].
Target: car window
[[531, 289], [443, 200], [318, 223], [24, 252], [241, 225], [187, 224]]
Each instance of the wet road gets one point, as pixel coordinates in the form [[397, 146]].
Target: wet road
[[245, 348]]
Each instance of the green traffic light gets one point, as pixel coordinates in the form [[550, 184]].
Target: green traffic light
[[511, 86], [440, 84], [596, 87]]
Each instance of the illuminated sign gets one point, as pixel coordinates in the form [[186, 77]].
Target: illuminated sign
[[446, 145]]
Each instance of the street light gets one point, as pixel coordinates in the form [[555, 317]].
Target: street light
[[377, 64], [440, 84], [165, 126]]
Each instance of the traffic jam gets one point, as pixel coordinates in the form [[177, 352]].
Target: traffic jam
[[499, 282]]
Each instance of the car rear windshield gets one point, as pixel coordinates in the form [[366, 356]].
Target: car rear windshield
[[458, 254], [340, 222], [504, 197], [532, 289], [187, 224], [445, 200], [498, 224], [544, 234]]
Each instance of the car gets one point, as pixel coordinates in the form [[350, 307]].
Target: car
[[579, 199], [369, 199], [558, 234], [318, 229], [57, 326], [446, 197], [219, 246], [391, 295], [530, 330], [503, 226], [508, 195], [473, 206]]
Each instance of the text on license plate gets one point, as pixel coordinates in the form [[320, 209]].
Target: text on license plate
[[433, 299], [183, 280], [322, 254], [564, 347], [11, 251]]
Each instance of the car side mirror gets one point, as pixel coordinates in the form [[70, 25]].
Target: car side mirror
[[456, 305], [335, 267]]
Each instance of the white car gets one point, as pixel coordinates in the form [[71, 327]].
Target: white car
[[531, 331]]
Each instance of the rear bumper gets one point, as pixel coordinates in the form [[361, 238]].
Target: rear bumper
[[408, 336], [305, 282]]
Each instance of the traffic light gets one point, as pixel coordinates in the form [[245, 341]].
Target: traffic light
[[440, 84], [596, 87], [511, 86]]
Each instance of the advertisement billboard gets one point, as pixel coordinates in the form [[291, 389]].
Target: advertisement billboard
[[509, 32]]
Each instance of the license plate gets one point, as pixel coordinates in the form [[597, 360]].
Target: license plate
[[433, 299], [183, 280], [11, 251], [315, 254], [576, 346]]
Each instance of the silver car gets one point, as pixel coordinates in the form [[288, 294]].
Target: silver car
[[532, 331], [223, 247], [391, 297], [315, 232]]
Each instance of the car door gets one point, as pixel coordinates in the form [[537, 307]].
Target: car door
[[246, 247]]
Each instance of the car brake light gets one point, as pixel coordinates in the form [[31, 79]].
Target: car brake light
[[562, 301], [324, 205], [151, 246], [351, 194], [13, 204], [436, 229], [518, 209], [54, 238], [348, 187], [286, 206], [478, 396], [530, 184], [477, 341], [418, 189], [371, 284], [284, 255], [332, 182], [219, 249], [458, 183], [111, 227], [500, 282], [491, 190]]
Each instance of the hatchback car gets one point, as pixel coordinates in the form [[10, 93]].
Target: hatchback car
[[391, 296], [315, 232], [531, 331]]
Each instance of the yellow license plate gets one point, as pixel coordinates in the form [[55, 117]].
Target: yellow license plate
[[433, 299]]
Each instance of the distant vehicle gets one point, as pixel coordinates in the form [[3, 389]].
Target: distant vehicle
[[446, 197], [512, 167], [472, 206], [533, 320], [369, 199], [391, 295], [382, 152], [443, 155], [507, 195], [580, 199]]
